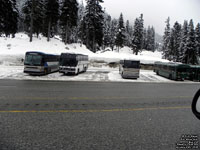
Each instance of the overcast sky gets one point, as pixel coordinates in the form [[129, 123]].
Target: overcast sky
[[155, 11]]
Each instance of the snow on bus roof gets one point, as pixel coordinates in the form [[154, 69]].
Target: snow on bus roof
[[42, 53]]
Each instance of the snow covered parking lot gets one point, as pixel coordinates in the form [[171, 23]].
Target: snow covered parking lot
[[103, 73]]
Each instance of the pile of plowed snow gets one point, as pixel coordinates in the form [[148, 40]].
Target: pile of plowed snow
[[13, 50]]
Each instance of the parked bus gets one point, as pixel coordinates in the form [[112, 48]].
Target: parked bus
[[129, 69], [194, 73], [73, 63], [39, 63], [173, 71]]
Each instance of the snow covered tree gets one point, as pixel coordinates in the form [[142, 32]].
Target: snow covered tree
[[93, 25], [120, 36], [79, 33], [190, 56], [68, 18], [8, 17], [177, 40], [107, 30], [197, 38], [166, 39], [34, 16], [114, 29], [51, 18], [128, 34], [144, 41], [184, 32], [150, 39], [138, 35], [170, 46]]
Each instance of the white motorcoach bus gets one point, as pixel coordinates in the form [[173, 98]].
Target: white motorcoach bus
[[129, 69], [39, 63], [73, 63]]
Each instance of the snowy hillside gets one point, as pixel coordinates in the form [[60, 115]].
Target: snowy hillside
[[14, 49]]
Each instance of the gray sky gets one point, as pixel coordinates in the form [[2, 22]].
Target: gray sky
[[155, 11]]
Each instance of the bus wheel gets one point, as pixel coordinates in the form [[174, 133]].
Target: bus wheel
[[157, 73], [45, 71], [85, 69], [170, 77], [77, 72]]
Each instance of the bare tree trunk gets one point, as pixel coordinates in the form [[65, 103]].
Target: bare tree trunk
[[49, 30], [32, 15], [93, 43], [66, 33]]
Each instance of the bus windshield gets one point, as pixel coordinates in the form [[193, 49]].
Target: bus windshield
[[68, 62], [34, 60], [131, 64]]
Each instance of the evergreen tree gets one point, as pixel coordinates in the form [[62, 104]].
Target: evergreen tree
[[138, 35], [170, 46], [150, 40], [197, 38], [51, 18], [81, 11], [128, 34], [120, 37], [107, 30], [68, 18], [184, 32], [145, 39], [190, 56], [8, 17], [177, 40], [166, 39], [114, 29], [34, 16], [93, 24]]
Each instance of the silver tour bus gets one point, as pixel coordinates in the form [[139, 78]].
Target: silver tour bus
[[73, 63], [39, 63], [129, 69]]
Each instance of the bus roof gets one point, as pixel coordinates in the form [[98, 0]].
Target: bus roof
[[74, 54], [171, 64], [38, 52], [130, 60]]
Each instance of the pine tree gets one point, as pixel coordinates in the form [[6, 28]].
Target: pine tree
[[93, 24], [150, 39], [166, 39], [197, 38], [120, 37], [114, 29], [128, 34], [34, 17], [80, 30], [170, 46], [8, 17], [145, 39], [138, 35], [107, 30], [51, 18], [190, 56], [184, 32], [177, 40], [68, 18]]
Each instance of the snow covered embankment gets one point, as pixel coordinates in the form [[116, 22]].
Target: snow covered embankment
[[13, 51]]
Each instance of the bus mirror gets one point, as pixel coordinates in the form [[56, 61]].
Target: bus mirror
[[196, 104]]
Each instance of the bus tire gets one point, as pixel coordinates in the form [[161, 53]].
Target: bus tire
[[45, 72], [170, 77], [122, 75], [85, 69], [77, 72]]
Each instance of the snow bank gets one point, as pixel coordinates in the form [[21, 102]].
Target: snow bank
[[12, 50]]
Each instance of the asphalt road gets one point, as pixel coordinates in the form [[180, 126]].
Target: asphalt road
[[96, 115]]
